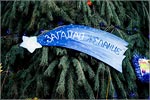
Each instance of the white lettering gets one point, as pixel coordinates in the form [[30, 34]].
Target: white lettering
[[70, 33], [76, 35], [63, 34]]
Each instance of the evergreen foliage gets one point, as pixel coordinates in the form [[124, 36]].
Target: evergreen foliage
[[60, 73]]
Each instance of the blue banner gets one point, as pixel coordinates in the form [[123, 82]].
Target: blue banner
[[94, 42]]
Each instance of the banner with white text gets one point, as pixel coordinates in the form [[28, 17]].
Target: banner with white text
[[94, 42]]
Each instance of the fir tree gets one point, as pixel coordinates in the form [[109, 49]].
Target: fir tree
[[55, 72]]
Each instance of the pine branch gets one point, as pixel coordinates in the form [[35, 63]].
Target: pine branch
[[70, 86], [79, 71], [44, 6], [122, 12], [59, 12], [61, 84], [13, 11], [103, 9], [89, 90], [6, 18], [34, 16], [86, 22], [102, 81], [22, 6], [129, 70], [26, 86], [115, 17], [84, 6], [88, 11], [44, 58], [79, 4], [96, 84], [26, 10], [50, 68], [54, 94], [60, 51], [12, 53], [39, 84], [145, 10], [111, 88], [49, 15], [87, 67], [120, 88], [19, 27], [46, 90], [109, 13]]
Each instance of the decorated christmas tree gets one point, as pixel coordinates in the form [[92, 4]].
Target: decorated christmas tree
[[54, 72]]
